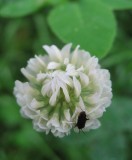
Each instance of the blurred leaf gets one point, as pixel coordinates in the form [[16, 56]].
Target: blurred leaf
[[121, 51], [118, 117], [119, 57], [43, 35], [122, 78], [19, 8], [9, 111], [28, 138], [11, 29], [6, 79], [119, 62], [119, 4], [88, 23], [1, 2], [109, 148], [56, 2], [3, 155]]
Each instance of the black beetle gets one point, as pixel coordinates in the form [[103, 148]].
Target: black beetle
[[81, 121]]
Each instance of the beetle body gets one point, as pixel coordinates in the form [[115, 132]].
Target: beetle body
[[81, 121]]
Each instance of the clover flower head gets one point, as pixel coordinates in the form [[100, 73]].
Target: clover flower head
[[60, 85]]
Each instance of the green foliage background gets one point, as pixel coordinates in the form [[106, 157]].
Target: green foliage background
[[103, 27]]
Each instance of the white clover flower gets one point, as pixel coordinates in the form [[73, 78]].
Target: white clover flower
[[60, 86]]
